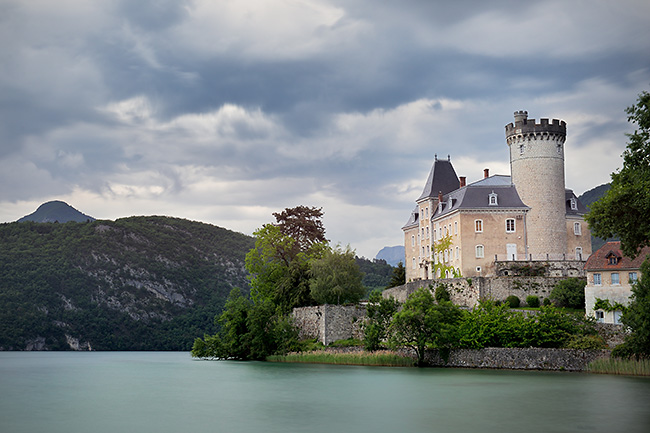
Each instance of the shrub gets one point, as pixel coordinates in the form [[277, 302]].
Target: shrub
[[547, 302], [570, 293], [513, 301], [442, 294], [586, 342], [532, 301]]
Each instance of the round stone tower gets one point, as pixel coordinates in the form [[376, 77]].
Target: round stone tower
[[537, 169]]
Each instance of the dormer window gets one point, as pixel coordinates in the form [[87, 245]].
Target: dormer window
[[612, 260], [493, 199], [574, 204]]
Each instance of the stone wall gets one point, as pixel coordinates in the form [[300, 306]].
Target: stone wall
[[499, 288], [328, 323], [468, 291], [518, 359]]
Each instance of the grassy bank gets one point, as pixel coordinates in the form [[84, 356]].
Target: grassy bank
[[620, 366], [379, 358]]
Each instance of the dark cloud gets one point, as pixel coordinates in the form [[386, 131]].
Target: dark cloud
[[343, 103]]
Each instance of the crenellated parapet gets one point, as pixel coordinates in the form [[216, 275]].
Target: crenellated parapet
[[524, 129]]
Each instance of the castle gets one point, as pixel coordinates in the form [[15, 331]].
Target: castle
[[466, 230]]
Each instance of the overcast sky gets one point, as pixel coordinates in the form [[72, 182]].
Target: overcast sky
[[224, 111]]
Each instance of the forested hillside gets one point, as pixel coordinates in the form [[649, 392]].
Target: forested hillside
[[139, 283]]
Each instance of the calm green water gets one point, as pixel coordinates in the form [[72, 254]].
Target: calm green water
[[169, 392]]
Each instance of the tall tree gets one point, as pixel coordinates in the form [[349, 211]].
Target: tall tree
[[303, 224], [399, 276], [624, 210], [336, 277]]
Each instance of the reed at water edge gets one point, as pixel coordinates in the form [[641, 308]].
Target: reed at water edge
[[620, 366], [378, 358]]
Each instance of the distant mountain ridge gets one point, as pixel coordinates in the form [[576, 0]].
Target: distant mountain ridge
[[392, 255], [56, 211]]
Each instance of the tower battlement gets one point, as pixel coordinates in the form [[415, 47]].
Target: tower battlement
[[525, 126]]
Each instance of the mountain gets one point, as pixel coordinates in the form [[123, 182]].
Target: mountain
[[588, 197], [56, 211], [138, 283], [392, 255]]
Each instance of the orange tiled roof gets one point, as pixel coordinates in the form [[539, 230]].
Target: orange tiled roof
[[600, 260]]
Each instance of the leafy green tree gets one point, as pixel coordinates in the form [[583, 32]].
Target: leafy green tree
[[399, 276], [336, 278], [570, 293], [277, 271], [379, 313], [623, 211], [248, 330], [422, 322], [637, 318]]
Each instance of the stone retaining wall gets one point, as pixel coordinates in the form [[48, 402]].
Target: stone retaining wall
[[328, 323], [468, 291], [505, 358], [518, 359]]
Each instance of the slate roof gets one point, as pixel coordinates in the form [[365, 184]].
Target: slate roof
[[414, 219], [581, 208], [599, 261], [442, 177], [476, 196]]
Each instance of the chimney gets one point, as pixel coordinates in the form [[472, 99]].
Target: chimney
[[439, 196], [486, 173], [462, 181]]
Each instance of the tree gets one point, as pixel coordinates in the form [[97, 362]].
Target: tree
[[623, 211], [277, 271], [379, 313], [399, 276], [302, 224], [422, 322], [637, 318], [248, 330], [336, 278]]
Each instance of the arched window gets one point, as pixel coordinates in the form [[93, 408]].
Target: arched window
[[480, 251]]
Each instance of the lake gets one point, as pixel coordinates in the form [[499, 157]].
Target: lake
[[170, 392]]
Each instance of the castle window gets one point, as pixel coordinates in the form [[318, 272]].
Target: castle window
[[574, 204], [521, 149], [577, 229], [427, 232], [612, 260], [578, 253], [446, 256], [559, 148], [480, 251], [493, 199], [510, 225], [455, 227], [600, 316], [632, 277], [412, 240], [456, 253], [426, 212], [478, 226], [615, 278], [413, 263], [597, 280]]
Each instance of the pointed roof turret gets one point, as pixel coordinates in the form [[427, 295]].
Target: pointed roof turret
[[442, 178]]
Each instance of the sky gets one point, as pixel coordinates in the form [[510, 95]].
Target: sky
[[225, 111]]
